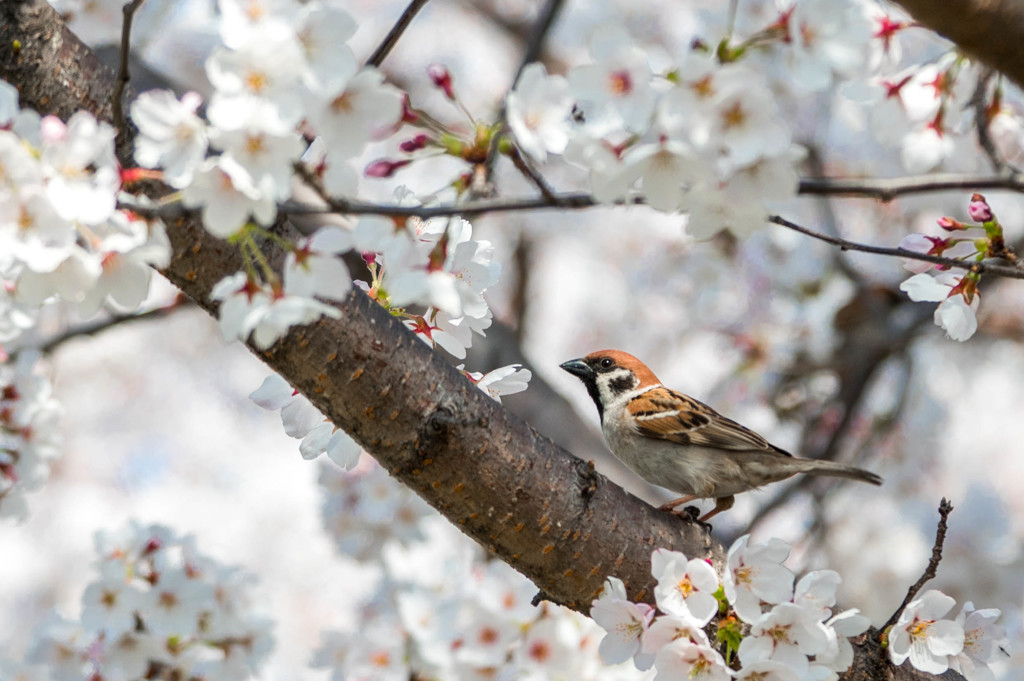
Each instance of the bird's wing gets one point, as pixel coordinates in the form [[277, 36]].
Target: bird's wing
[[664, 414]]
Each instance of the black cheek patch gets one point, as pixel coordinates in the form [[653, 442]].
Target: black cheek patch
[[622, 384]]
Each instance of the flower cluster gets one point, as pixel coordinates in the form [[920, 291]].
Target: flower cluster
[[776, 630], [704, 136], [443, 612], [364, 509], [29, 440], [933, 644], [157, 602], [305, 422], [955, 290], [282, 70], [61, 235]]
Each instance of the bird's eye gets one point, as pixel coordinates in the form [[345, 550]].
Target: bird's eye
[[606, 362]]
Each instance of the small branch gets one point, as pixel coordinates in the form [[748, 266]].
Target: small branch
[[571, 202], [391, 39], [979, 104], [977, 267], [117, 103], [101, 325], [534, 45], [945, 508], [888, 189], [524, 166]]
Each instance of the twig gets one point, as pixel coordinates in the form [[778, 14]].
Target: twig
[[977, 267], [945, 508], [534, 45], [526, 168], [117, 103], [979, 104], [576, 201], [888, 189], [540, 31], [100, 325], [816, 165], [391, 39]]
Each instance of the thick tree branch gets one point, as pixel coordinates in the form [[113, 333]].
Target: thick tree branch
[[535, 505], [990, 30]]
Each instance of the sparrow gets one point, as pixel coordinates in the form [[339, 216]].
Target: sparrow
[[684, 445]]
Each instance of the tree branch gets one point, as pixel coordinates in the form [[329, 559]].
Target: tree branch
[[978, 267], [391, 39], [945, 508], [888, 189], [123, 76], [989, 30]]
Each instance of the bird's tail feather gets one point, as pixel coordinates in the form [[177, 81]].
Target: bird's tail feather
[[838, 470]]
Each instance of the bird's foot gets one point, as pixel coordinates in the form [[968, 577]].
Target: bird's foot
[[691, 514]]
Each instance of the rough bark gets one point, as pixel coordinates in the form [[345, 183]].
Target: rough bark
[[990, 30], [535, 505]]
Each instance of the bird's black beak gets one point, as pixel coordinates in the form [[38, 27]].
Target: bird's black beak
[[578, 368]]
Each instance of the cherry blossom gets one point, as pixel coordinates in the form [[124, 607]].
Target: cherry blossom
[[827, 37], [788, 634], [625, 623], [982, 641], [537, 109], [266, 313], [685, 587], [682, 659], [618, 82], [314, 268], [668, 628], [171, 135], [755, 574], [507, 380], [228, 197], [955, 313], [839, 655], [303, 421], [921, 634], [349, 115], [78, 162]]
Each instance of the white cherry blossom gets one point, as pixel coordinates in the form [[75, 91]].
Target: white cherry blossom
[[349, 116], [685, 587], [624, 621], [228, 197], [788, 634], [79, 164], [618, 81], [503, 381], [538, 110], [982, 641], [755, 574], [682, 659], [171, 135], [921, 634]]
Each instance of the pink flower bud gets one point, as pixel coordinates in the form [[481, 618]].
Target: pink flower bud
[[384, 168], [442, 79], [415, 144], [409, 114], [979, 209], [950, 225]]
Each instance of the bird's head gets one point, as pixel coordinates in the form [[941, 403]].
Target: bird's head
[[609, 375]]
